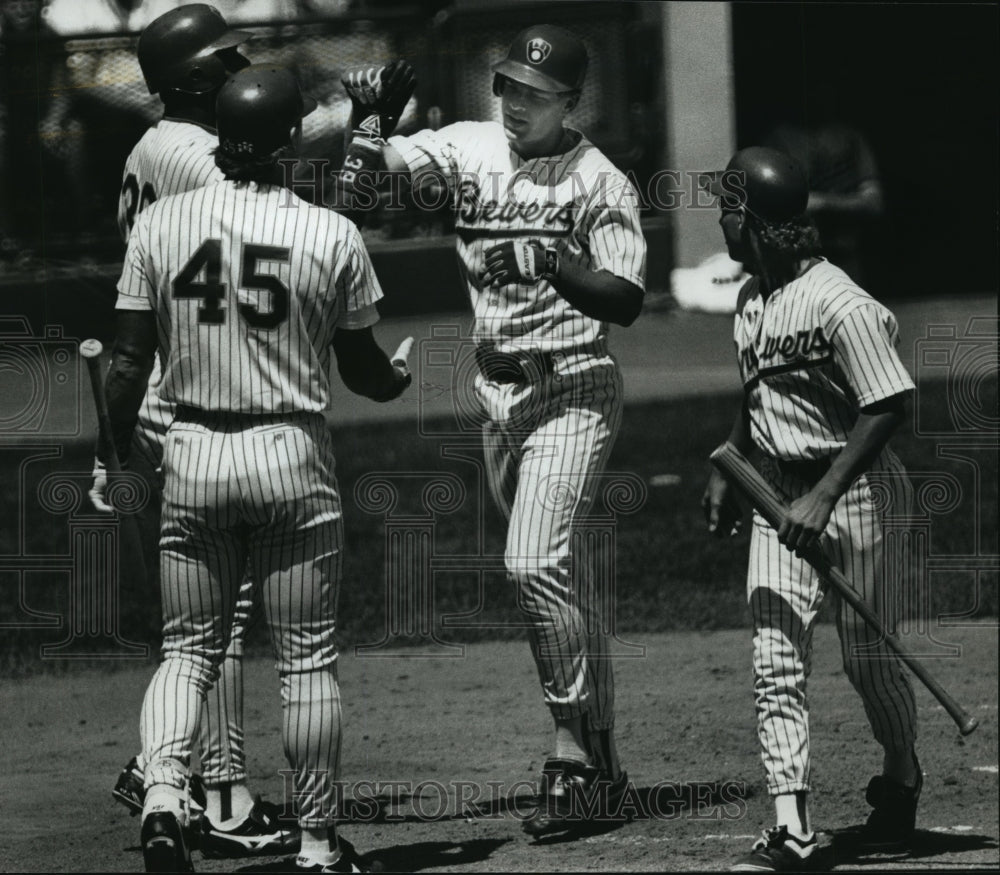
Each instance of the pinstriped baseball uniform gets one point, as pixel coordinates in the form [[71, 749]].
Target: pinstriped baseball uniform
[[173, 157], [547, 438], [248, 284], [812, 354]]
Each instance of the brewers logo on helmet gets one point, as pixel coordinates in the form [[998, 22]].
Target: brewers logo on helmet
[[545, 57], [538, 50]]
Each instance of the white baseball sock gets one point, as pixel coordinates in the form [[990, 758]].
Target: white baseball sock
[[228, 804], [792, 810], [166, 798], [570, 743], [319, 846]]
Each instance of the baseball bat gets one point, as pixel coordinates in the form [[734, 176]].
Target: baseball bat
[[403, 352], [773, 506], [131, 542]]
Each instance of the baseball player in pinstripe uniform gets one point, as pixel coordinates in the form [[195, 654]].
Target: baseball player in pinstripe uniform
[[246, 289], [552, 251], [186, 55], [824, 390]]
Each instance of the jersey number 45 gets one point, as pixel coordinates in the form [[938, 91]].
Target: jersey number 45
[[211, 291]]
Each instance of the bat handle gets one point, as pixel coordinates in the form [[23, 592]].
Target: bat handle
[[91, 350]]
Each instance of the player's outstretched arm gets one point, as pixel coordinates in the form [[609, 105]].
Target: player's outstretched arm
[[131, 364], [366, 369], [379, 95]]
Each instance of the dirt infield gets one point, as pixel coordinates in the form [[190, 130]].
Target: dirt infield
[[473, 728]]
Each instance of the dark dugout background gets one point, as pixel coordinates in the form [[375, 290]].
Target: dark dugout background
[[920, 80]]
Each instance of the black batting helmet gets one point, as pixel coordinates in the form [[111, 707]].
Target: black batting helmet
[[257, 109], [768, 183], [545, 57], [178, 50]]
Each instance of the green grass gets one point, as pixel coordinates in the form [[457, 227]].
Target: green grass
[[669, 573]]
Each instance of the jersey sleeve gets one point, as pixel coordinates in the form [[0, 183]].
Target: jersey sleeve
[[435, 152], [615, 234], [358, 288], [123, 228], [864, 345], [136, 282]]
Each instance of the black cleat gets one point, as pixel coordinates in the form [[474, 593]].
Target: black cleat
[[163, 845], [777, 851], [260, 834], [576, 797], [891, 825]]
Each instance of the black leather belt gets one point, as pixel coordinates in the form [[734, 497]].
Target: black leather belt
[[514, 367], [230, 418], [808, 470]]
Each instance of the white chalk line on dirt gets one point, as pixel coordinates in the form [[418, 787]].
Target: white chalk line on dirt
[[981, 707], [728, 837], [991, 769]]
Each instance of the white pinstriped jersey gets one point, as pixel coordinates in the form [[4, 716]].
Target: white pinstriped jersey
[[578, 202], [171, 157], [810, 356], [248, 283]]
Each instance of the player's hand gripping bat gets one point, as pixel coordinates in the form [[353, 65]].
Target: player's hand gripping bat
[[772, 506]]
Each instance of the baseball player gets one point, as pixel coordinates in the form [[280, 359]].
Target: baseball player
[[552, 251], [186, 55], [246, 289], [824, 390]]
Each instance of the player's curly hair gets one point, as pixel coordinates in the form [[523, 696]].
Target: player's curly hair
[[778, 247], [249, 168], [795, 239]]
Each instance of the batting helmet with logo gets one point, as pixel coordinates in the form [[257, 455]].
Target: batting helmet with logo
[[179, 50], [257, 109], [768, 183], [545, 57]]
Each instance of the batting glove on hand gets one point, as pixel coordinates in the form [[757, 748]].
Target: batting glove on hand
[[379, 95], [519, 263], [99, 489]]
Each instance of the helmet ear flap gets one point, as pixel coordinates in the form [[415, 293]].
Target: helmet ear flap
[[498, 81]]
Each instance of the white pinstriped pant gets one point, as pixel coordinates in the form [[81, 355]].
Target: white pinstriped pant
[[266, 495], [546, 445], [220, 740], [785, 596]]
